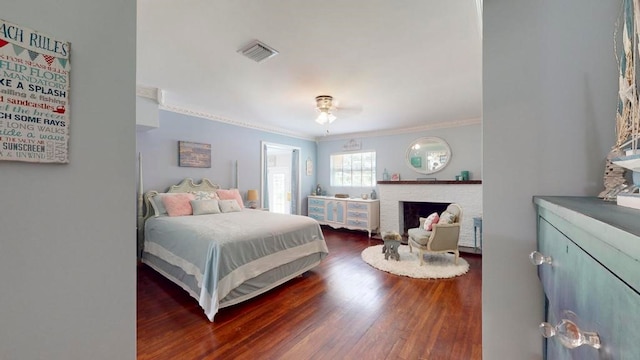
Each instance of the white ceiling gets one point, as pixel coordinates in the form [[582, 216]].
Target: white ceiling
[[392, 64]]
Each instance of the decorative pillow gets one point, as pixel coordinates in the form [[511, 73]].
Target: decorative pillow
[[430, 220], [201, 207], [446, 218], [158, 205], [178, 204], [229, 206], [205, 195], [231, 194]]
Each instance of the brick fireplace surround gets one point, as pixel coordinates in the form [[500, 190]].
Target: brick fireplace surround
[[468, 194]]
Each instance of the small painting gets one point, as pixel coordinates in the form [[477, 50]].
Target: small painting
[[309, 167], [191, 154], [395, 177]]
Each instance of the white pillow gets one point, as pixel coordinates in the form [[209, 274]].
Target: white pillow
[[201, 207], [229, 206], [205, 195]]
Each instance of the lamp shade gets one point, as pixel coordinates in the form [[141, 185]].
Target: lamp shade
[[252, 195]]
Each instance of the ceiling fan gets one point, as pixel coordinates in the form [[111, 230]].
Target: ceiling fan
[[328, 108], [324, 104]]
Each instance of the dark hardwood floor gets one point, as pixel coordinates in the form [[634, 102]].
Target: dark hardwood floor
[[342, 309]]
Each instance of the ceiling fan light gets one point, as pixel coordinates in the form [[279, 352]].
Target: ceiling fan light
[[323, 118]]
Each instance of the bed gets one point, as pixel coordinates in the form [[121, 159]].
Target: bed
[[222, 258]]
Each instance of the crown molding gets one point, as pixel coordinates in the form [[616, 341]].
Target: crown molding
[[208, 116], [441, 125], [153, 93]]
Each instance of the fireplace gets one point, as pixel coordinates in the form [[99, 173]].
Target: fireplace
[[393, 194], [412, 211]]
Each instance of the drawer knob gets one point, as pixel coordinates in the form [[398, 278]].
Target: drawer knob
[[537, 258], [570, 335]]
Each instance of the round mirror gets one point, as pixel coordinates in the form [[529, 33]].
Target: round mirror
[[428, 155]]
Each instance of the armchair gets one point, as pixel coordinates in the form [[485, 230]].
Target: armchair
[[443, 238]]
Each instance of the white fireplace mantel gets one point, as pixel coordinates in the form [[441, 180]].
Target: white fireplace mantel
[[468, 195]]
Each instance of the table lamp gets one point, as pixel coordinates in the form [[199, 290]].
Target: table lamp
[[252, 197]]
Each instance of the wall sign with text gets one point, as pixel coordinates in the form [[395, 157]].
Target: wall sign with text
[[34, 96]]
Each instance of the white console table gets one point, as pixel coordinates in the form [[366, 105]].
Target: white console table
[[354, 214]]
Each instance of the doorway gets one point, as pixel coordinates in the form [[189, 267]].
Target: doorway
[[280, 180]]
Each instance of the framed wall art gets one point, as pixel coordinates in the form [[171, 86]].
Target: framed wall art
[[191, 154], [309, 167], [34, 96]]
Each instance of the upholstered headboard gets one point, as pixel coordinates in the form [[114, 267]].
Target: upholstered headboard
[[186, 185]]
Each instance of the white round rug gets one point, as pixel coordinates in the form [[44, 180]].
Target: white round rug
[[436, 266]]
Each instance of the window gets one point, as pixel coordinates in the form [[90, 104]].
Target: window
[[353, 169]]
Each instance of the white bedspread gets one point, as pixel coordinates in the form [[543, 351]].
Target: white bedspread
[[224, 250]]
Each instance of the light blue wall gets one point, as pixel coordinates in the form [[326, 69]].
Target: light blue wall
[[229, 143], [67, 231], [159, 149], [550, 95], [465, 143]]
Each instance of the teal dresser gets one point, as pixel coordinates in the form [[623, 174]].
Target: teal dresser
[[589, 264]]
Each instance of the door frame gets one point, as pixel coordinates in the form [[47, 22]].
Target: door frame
[[263, 169]]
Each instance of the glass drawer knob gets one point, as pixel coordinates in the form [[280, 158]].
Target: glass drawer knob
[[570, 335], [538, 258]]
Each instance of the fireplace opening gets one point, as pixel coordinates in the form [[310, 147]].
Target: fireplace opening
[[412, 211]]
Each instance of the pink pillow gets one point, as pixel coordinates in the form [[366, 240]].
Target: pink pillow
[[178, 204], [231, 194], [430, 220]]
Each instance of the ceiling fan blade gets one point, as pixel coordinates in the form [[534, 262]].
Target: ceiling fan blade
[[347, 109]]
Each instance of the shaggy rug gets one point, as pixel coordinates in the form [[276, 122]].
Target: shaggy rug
[[436, 266]]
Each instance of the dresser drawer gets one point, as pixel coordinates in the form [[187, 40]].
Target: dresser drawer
[[555, 275], [316, 209], [357, 215], [357, 206], [358, 223], [316, 202], [587, 285], [319, 217], [602, 303]]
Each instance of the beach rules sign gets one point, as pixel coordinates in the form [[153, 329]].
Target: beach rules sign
[[34, 96]]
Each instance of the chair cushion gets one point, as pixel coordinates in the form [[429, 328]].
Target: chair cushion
[[455, 210], [447, 218], [419, 235]]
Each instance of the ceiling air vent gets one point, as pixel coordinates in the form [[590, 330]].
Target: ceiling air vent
[[258, 51]]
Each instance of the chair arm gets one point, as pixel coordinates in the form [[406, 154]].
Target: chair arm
[[444, 237]]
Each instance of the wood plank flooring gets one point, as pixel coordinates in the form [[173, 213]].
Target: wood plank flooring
[[342, 309]]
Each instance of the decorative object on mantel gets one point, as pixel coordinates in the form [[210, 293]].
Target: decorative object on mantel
[[385, 175], [352, 144], [395, 177], [437, 266]]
